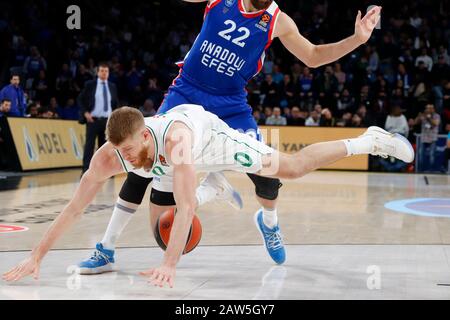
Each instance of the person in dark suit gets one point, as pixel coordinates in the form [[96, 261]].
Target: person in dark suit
[[97, 100]]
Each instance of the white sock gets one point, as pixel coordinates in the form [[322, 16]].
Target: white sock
[[204, 194], [362, 145], [270, 218], [122, 214]]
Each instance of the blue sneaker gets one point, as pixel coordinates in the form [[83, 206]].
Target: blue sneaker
[[102, 260], [272, 239]]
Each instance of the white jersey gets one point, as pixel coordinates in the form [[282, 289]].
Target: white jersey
[[216, 146]]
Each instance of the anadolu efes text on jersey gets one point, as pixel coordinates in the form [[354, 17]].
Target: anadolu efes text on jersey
[[230, 49]]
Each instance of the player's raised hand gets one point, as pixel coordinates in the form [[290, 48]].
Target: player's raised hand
[[25, 268], [160, 276], [365, 26]]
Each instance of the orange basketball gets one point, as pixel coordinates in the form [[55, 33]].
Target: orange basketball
[[164, 226]]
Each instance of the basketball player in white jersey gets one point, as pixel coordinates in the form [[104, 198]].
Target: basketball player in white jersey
[[175, 146], [228, 52]]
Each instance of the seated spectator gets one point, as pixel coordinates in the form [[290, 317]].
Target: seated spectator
[[267, 112], [258, 118], [148, 109], [313, 120], [46, 113], [5, 107], [345, 120], [32, 111], [425, 59], [396, 122], [326, 119], [297, 118], [40, 87], [287, 113], [357, 122], [345, 103], [70, 111], [276, 119]]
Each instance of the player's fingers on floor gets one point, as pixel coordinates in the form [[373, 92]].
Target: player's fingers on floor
[[147, 272]]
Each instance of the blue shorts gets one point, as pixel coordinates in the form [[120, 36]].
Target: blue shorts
[[233, 110]]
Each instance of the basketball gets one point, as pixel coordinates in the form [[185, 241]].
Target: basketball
[[164, 226]]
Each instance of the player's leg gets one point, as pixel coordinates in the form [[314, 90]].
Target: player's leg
[[374, 141], [266, 190], [130, 197]]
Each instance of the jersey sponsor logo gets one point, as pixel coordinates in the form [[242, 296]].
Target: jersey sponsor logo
[[220, 59], [244, 159]]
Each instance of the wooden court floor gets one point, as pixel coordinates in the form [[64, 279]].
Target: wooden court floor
[[342, 241]]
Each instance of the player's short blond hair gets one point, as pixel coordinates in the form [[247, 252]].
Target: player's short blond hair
[[123, 123]]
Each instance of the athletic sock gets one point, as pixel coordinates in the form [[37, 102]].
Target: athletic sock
[[122, 214], [362, 145], [270, 218]]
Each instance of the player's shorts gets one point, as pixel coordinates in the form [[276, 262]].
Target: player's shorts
[[224, 149], [232, 109]]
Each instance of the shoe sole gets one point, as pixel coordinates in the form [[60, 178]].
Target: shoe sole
[[395, 135], [255, 219], [98, 270]]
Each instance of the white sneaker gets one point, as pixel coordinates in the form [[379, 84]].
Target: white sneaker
[[387, 144], [225, 190]]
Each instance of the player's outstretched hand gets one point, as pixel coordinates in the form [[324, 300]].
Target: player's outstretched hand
[[365, 26], [25, 268], [160, 276]]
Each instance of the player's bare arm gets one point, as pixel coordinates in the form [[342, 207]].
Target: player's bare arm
[[178, 148], [317, 55], [104, 164]]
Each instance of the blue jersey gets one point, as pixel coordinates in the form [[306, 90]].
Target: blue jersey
[[230, 48]]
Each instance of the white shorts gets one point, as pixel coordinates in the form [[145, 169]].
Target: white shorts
[[224, 149]]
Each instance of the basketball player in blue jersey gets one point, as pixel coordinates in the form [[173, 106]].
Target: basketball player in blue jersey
[[227, 53]]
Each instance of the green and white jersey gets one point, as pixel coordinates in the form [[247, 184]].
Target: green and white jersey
[[216, 146]]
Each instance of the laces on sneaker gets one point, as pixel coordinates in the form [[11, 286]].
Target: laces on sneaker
[[98, 255], [274, 240]]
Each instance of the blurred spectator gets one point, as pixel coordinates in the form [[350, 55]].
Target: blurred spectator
[[313, 119], [81, 78], [306, 83], [69, 111], [287, 91], [440, 74], [148, 109], [40, 87], [357, 121], [340, 76], [345, 120], [34, 63], [326, 119], [345, 102], [277, 76], [15, 94], [258, 118], [5, 107], [396, 122], [297, 118], [426, 59], [430, 122], [276, 119], [270, 91], [32, 111]]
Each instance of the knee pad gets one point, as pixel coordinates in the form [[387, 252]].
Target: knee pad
[[134, 187], [266, 188]]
